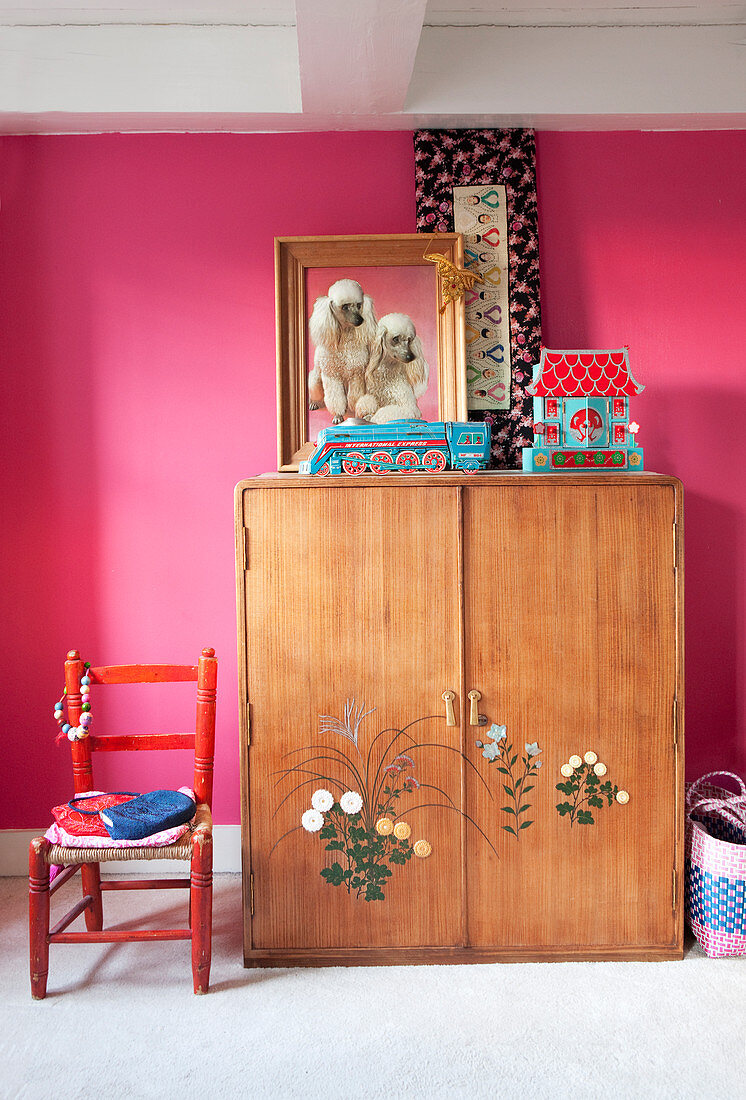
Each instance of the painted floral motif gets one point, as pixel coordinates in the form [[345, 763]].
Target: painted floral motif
[[520, 778], [584, 789], [362, 817]]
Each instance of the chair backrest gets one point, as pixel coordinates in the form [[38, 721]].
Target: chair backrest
[[204, 674]]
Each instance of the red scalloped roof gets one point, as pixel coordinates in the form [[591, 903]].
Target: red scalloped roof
[[585, 374]]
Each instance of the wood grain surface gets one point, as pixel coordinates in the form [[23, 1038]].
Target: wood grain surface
[[560, 600]]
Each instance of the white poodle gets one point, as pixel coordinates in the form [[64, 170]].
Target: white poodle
[[342, 327], [397, 373]]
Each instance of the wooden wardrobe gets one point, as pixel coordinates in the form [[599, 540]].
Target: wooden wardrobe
[[557, 602]]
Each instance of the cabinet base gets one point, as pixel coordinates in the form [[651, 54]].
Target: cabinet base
[[433, 956]]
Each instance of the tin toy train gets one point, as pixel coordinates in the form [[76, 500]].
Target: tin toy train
[[401, 445]]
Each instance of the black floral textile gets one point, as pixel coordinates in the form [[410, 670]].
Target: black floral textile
[[445, 159]]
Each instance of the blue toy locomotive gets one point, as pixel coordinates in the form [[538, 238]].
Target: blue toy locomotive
[[401, 445]]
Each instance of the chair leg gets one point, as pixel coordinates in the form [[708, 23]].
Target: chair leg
[[94, 914], [201, 909], [38, 914]]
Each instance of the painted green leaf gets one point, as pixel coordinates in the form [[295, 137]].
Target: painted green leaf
[[525, 789], [505, 771], [509, 829], [512, 762], [333, 874], [508, 790], [522, 809], [564, 808], [585, 817], [594, 800], [508, 810], [526, 824]]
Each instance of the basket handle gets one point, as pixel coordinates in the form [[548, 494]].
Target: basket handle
[[732, 807], [693, 791]]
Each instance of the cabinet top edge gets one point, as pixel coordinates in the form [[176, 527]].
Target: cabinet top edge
[[411, 481]]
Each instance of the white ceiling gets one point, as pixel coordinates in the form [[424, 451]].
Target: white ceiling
[[370, 64]]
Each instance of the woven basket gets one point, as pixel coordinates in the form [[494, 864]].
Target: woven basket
[[716, 865]]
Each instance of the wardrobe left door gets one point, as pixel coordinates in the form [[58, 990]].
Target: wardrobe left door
[[352, 634]]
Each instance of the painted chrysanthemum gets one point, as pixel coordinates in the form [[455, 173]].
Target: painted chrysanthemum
[[322, 800], [384, 826], [402, 831], [403, 759], [312, 821], [351, 802]]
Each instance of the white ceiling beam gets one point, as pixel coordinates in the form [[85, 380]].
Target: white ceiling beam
[[94, 12], [357, 56], [582, 13], [148, 69], [246, 79], [536, 71]]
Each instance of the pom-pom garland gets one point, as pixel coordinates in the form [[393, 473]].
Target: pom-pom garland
[[76, 733]]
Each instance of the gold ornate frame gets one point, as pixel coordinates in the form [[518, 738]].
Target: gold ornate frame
[[293, 255]]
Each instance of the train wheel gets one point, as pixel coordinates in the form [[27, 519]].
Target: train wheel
[[434, 461], [323, 471], [354, 464], [407, 459], [380, 462]]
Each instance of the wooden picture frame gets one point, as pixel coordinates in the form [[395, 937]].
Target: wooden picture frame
[[294, 257]]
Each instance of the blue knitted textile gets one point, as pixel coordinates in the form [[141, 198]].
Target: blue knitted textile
[[147, 814]]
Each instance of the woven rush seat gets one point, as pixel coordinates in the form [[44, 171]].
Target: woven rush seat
[[62, 856]]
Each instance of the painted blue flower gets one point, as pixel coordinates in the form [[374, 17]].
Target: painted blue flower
[[491, 751], [533, 749], [497, 733]]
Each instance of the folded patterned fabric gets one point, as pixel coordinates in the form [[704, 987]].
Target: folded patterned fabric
[[147, 814], [97, 836], [55, 834]]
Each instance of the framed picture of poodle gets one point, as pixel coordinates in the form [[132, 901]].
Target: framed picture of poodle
[[361, 333]]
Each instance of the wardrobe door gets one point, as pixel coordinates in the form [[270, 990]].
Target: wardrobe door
[[571, 638], [352, 634]]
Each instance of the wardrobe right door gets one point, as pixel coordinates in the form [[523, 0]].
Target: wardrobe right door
[[572, 639]]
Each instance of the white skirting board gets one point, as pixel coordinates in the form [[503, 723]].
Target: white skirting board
[[226, 857]]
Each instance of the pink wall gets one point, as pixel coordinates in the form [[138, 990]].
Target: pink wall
[[137, 352], [642, 242]]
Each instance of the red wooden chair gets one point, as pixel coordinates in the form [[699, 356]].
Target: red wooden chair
[[194, 846]]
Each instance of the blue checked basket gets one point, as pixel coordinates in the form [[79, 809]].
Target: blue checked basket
[[716, 865]]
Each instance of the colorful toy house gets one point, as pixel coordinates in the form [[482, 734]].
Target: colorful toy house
[[581, 412]]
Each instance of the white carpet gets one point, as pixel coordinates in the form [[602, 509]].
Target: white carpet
[[122, 1021]]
